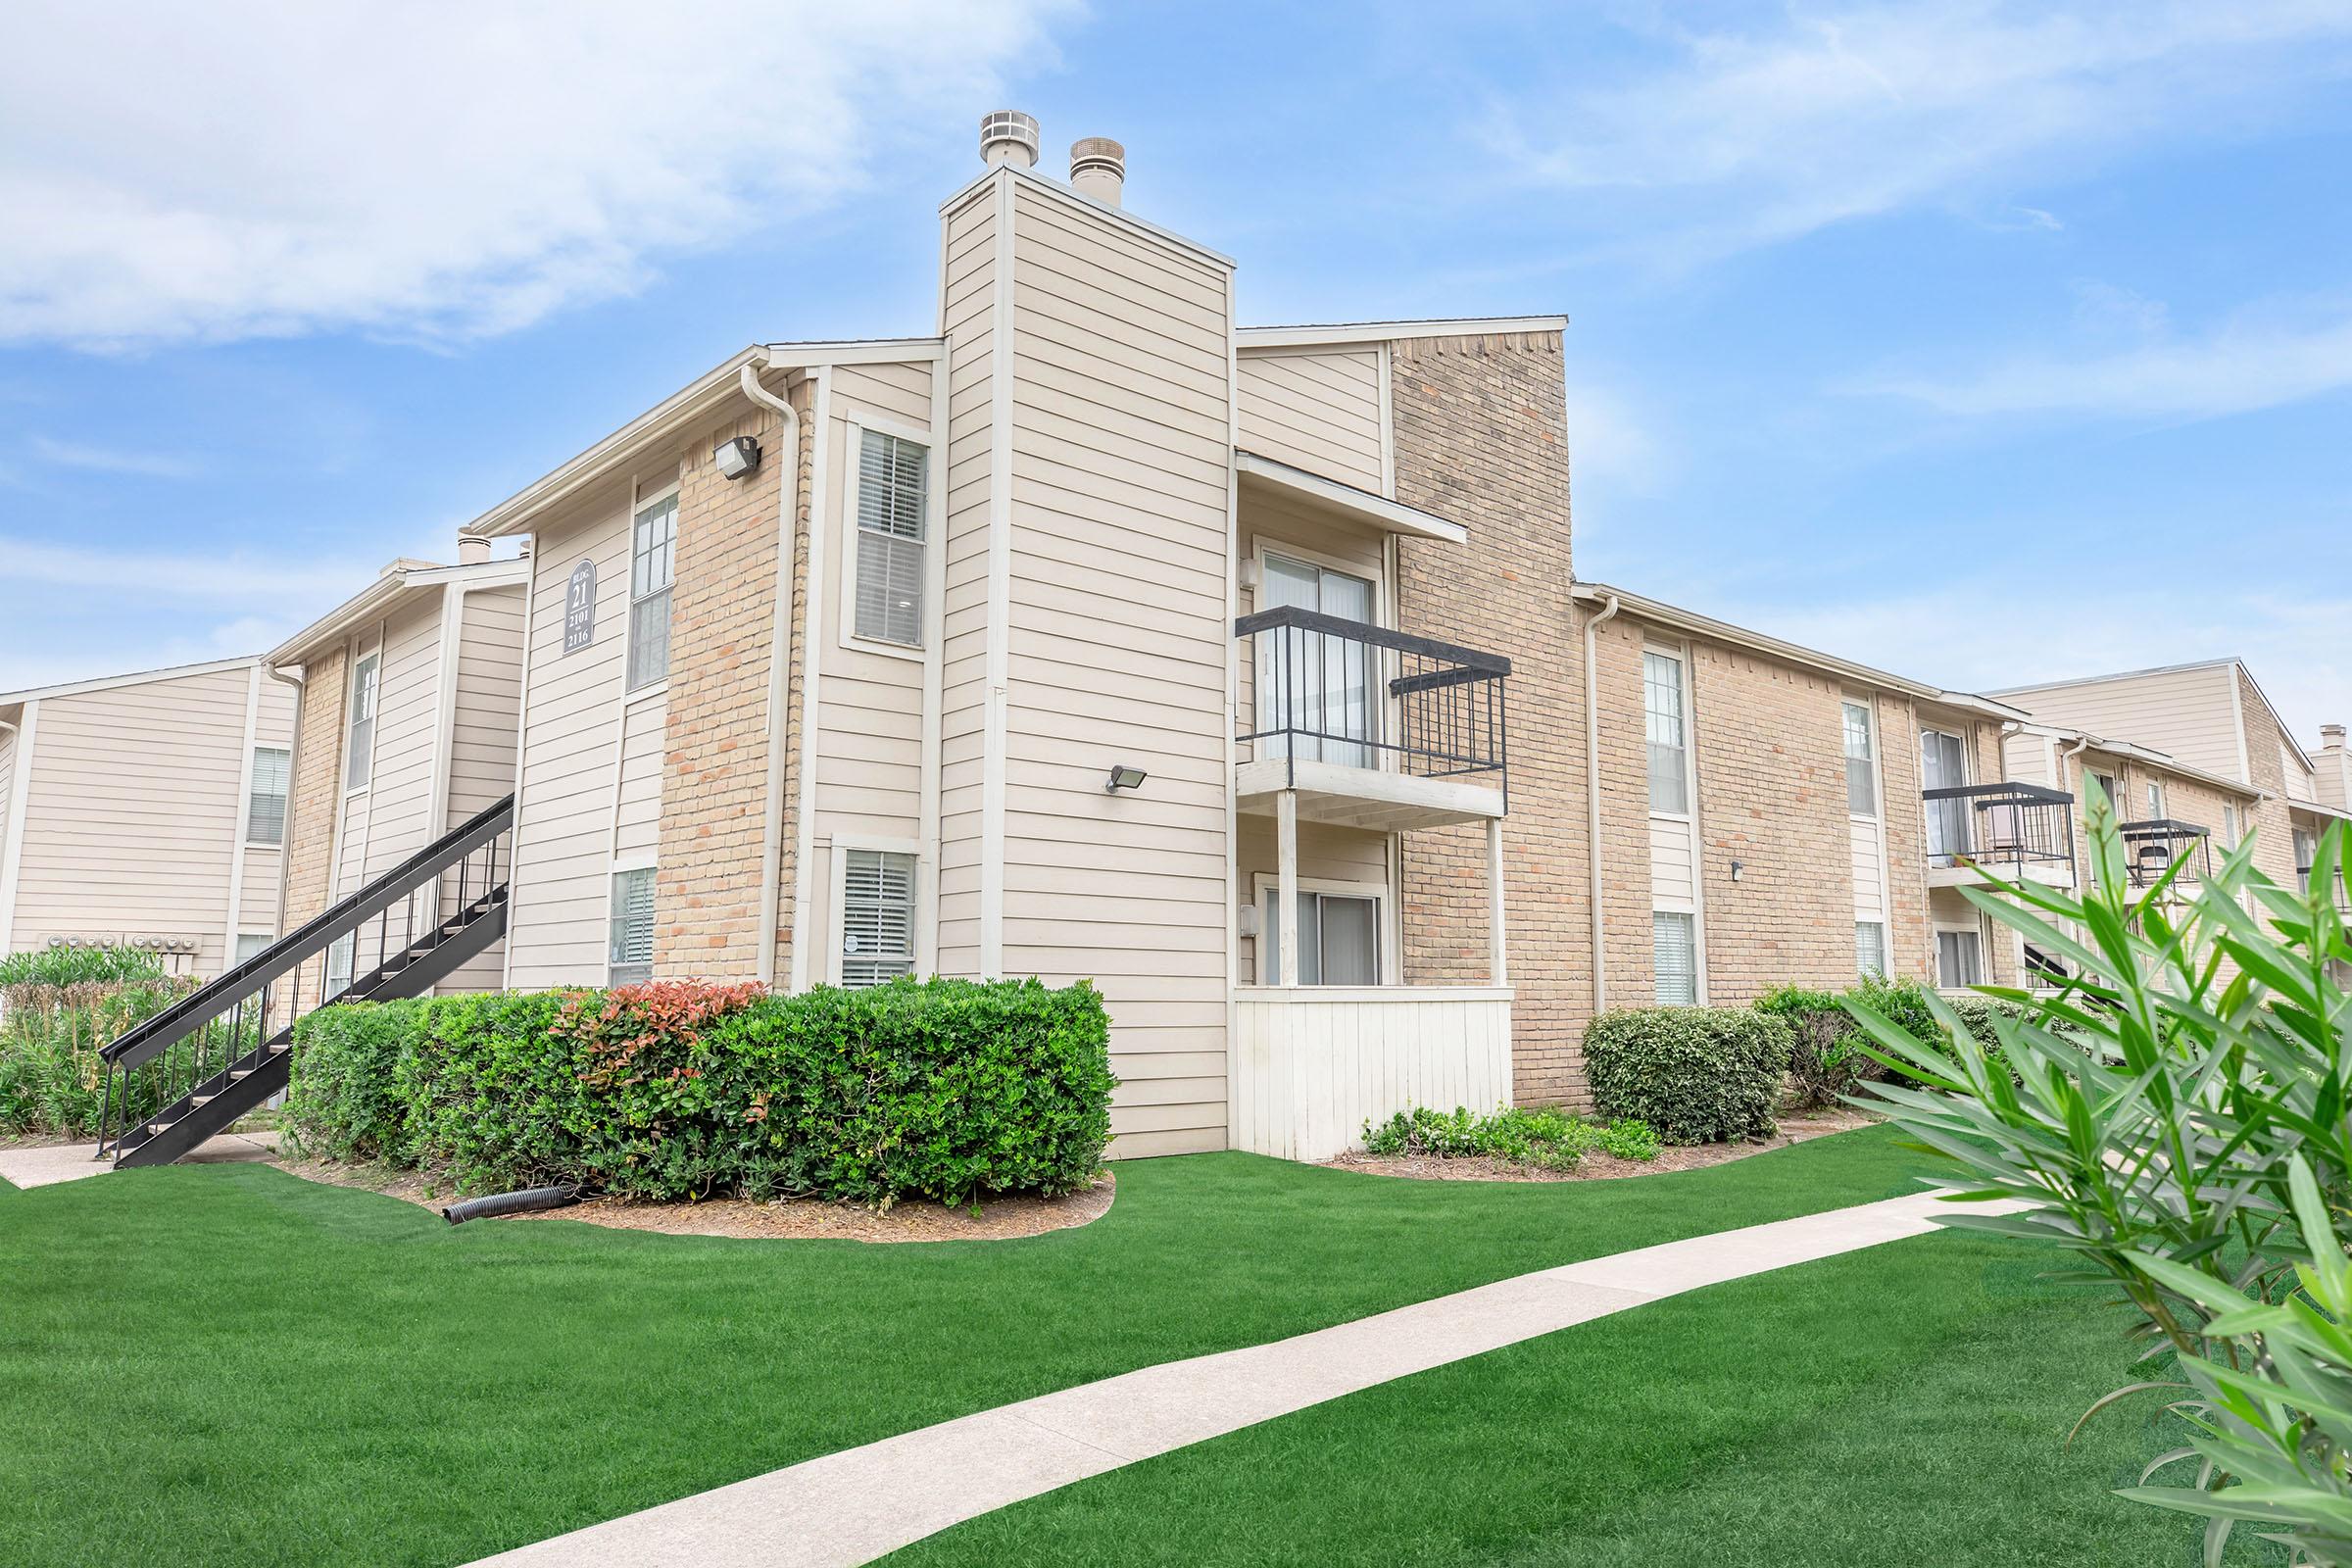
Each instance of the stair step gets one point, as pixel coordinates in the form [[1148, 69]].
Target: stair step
[[237, 1075], [157, 1129], [196, 1100]]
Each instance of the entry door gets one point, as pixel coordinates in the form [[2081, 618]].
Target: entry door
[[1320, 684], [1339, 940], [1944, 765]]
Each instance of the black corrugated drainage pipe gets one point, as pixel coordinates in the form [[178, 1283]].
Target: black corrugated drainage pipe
[[528, 1201]]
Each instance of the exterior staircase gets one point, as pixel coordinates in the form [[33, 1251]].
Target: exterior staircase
[[191, 1071]]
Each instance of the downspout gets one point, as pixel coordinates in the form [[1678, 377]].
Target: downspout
[[285, 863], [779, 656], [1601, 966], [2075, 851]]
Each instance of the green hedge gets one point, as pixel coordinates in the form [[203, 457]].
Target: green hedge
[[1696, 1075], [947, 1089]]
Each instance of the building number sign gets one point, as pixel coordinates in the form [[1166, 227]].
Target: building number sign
[[579, 607]]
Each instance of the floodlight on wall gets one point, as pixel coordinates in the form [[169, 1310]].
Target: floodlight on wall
[[737, 458], [1123, 777]]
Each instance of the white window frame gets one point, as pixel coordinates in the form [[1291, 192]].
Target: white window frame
[[1681, 655], [837, 904], [2159, 799], [628, 656], [1262, 884], [239, 939], [1878, 787], [622, 866], [1984, 956], [1699, 963], [1263, 545], [1886, 959], [344, 948], [1968, 777], [934, 534], [285, 810], [365, 660]]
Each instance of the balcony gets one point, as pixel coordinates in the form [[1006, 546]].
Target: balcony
[[2020, 831], [2152, 846], [1367, 727]]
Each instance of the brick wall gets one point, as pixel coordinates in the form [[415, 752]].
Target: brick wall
[[2275, 848], [1771, 766], [715, 749], [1481, 439], [315, 795], [1910, 938]]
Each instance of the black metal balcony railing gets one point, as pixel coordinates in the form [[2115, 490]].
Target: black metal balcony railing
[[1333, 689], [1996, 826], [2151, 847]]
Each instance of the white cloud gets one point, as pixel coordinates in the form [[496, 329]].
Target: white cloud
[[2257, 360], [220, 582], [1748, 138], [115, 460], [441, 168]]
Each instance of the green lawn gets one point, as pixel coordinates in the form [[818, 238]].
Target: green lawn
[[225, 1365]]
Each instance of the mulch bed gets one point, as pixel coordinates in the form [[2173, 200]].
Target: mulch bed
[[1597, 1166], [1000, 1219]]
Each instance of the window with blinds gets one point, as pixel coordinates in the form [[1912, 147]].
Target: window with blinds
[[1959, 959], [338, 964], [266, 801], [629, 961], [1870, 948], [1674, 944], [877, 917], [893, 476], [1663, 708], [251, 945], [653, 568], [1861, 777], [359, 747]]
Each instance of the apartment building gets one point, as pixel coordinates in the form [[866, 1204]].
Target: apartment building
[[147, 810], [2212, 717], [405, 728]]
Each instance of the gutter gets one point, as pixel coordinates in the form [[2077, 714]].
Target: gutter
[[1600, 965], [779, 657]]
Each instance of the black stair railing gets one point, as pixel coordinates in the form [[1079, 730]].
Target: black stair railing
[[175, 1078]]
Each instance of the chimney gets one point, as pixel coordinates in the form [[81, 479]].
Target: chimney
[[2331, 736], [472, 550], [1098, 169], [1008, 136]]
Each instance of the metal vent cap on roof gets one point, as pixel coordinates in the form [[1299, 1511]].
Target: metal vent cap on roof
[[1098, 169], [1008, 136]]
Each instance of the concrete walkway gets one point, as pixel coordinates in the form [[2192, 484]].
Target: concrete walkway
[[45, 1165], [856, 1505]]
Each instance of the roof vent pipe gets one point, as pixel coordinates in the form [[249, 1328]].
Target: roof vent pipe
[[1008, 136], [472, 550], [2332, 736], [1098, 169]]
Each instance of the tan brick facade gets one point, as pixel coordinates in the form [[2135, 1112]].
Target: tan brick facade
[[2275, 845], [1480, 438], [716, 751]]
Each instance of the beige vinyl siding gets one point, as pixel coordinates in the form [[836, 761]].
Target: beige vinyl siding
[[1672, 868], [1318, 410], [1121, 455], [2187, 712], [489, 689], [571, 746], [2298, 779], [970, 271], [402, 815], [8, 787], [134, 813]]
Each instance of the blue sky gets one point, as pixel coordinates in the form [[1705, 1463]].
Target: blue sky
[[1985, 343]]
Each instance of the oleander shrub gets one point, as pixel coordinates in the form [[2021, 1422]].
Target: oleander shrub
[[1695, 1075], [58, 1006], [954, 1090], [1544, 1138]]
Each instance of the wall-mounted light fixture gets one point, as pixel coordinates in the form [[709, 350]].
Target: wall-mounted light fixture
[[1738, 869], [1123, 777], [736, 458]]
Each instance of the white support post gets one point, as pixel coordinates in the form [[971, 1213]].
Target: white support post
[[1494, 898], [1285, 882]]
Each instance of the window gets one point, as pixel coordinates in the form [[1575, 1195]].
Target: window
[[1870, 948], [1959, 959], [2111, 787], [1944, 765], [266, 801], [251, 945], [629, 962], [877, 917], [893, 478], [2228, 825], [338, 964], [360, 748], [1669, 756], [1321, 691], [1339, 938], [1861, 775], [653, 566], [2155, 801], [1674, 943], [2307, 852]]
